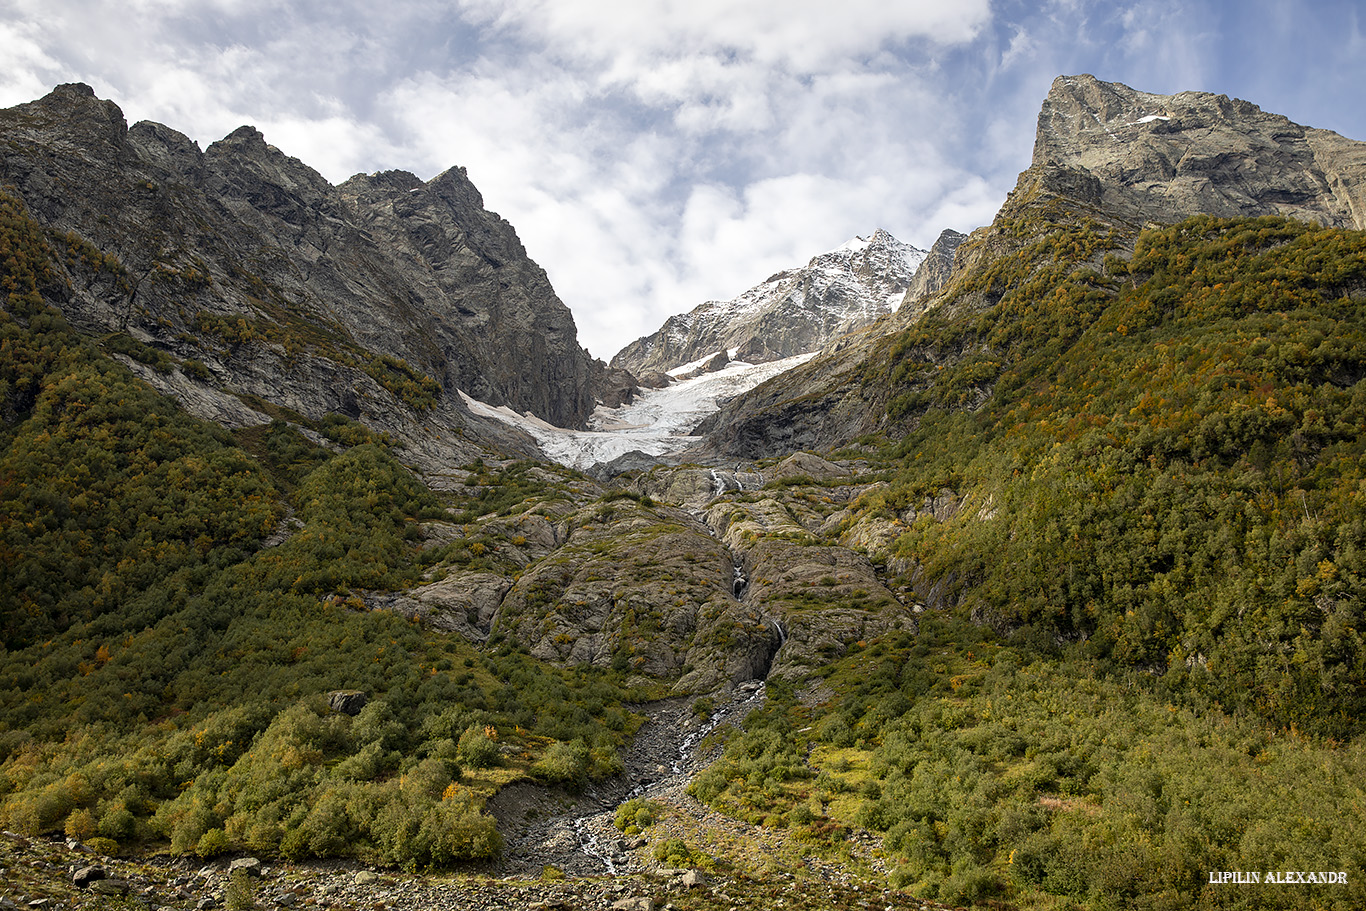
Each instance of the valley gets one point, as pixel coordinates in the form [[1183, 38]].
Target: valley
[[1040, 590]]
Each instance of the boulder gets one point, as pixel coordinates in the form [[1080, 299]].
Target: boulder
[[692, 879], [348, 702], [251, 865], [110, 887], [634, 903]]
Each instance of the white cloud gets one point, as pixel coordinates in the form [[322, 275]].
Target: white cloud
[[26, 74], [1021, 47], [800, 35]]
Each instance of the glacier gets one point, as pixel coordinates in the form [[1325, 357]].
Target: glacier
[[657, 422]]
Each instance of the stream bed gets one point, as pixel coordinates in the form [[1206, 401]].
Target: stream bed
[[578, 835]]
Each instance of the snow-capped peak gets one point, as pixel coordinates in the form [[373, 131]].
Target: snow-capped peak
[[794, 311]]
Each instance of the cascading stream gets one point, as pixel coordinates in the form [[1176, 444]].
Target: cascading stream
[[677, 771]]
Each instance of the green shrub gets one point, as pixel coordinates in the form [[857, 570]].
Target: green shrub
[[241, 892], [477, 749], [636, 815], [564, 763]]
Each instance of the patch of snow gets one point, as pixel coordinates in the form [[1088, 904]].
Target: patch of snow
[[658, 422], [1149, 119], [697, 364]]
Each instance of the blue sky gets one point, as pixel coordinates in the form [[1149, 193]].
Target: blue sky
[[653, 154]]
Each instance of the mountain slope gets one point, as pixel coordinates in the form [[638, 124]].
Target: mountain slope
[[377, 299], [1077, 622], [1103, 152], [790, 313]]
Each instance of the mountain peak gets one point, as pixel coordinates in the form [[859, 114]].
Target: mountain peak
[[879, 238], [790, 313], [74, 107], [1148, 157]]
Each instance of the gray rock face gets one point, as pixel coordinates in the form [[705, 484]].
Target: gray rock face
[[1149, 157], [377, 299], [793, 312], [603, 599]]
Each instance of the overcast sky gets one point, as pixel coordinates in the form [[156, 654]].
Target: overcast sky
[[653, 154]]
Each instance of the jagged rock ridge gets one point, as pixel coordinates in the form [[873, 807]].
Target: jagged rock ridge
[[288, 288], [933, 274], [792, 312]]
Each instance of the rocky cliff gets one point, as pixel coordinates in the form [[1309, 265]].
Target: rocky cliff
[[1103, 152], [377, 299], [792, 312]]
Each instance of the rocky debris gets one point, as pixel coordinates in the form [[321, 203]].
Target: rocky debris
[[576, 835], [87, 875], [790, 313], [37, 874]]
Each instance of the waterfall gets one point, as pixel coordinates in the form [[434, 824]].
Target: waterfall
[[719, 486]]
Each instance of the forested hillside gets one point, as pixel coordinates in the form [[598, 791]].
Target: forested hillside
[[1124, 472], [1168, 469], [164, 674]]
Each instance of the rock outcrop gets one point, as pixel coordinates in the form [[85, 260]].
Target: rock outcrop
[[377, 299], [792, 312], [641, 588]]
